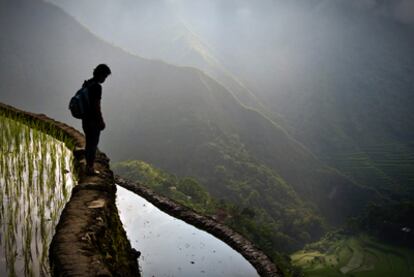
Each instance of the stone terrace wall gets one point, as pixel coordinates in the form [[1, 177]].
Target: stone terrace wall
[[89, 238]]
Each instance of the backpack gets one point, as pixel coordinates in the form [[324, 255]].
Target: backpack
[[79, 104]]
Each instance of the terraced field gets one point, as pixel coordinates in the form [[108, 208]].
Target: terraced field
[[396, 160], [357, 256], [36, 180], [388, 167]]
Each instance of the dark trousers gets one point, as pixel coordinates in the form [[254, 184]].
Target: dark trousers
[[92, 133]]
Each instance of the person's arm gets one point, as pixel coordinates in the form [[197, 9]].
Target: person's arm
[[97, 108], [101, 122]]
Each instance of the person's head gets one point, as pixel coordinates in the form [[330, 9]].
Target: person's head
[[101, 72]]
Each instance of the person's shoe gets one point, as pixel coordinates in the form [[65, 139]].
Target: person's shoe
[[90, 171]]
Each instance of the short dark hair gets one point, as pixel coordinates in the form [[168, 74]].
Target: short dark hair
[[101, 69]]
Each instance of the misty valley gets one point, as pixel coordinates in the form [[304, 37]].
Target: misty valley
[[289, 122]]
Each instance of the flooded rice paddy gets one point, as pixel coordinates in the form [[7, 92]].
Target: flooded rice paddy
[[170, 247], [35, 183]]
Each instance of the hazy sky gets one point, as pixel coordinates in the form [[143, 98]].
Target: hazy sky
[[265, 43], [402, 10]]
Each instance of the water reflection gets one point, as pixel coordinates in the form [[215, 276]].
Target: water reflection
[[35, 183], [171, 247]]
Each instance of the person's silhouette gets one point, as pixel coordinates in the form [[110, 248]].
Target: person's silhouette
[[93, 122]]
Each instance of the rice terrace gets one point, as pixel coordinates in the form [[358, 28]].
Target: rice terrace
[[36, 183], [355, 256], [379, 164], [48, 205]]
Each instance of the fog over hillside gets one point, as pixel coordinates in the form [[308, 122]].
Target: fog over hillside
[[176, 118], [293, 115], [338, 75]]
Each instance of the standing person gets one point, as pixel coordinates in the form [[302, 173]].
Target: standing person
[[93, 122]]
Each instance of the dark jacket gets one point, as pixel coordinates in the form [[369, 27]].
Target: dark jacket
[[94, 115]]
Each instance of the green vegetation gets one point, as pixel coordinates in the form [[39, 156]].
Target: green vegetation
[[340, 255], [35, 181], [186, 191], [264, 214], [41, 126]]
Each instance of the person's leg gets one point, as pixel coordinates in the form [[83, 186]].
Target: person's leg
[[93, 145], [92, 140]]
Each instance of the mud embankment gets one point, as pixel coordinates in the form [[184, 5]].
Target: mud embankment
[[89, 238]]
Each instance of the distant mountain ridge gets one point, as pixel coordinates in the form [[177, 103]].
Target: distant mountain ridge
[[161, 35], [337, 75]]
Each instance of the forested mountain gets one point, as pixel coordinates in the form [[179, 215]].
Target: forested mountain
[[338, 75]]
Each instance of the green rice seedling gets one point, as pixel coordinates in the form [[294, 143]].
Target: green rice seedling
[[41, 163], [2, 205], [30, 174], [52, 177], [27, 249], [63, 168], [10, 240], [41, 215], [33, 191]]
